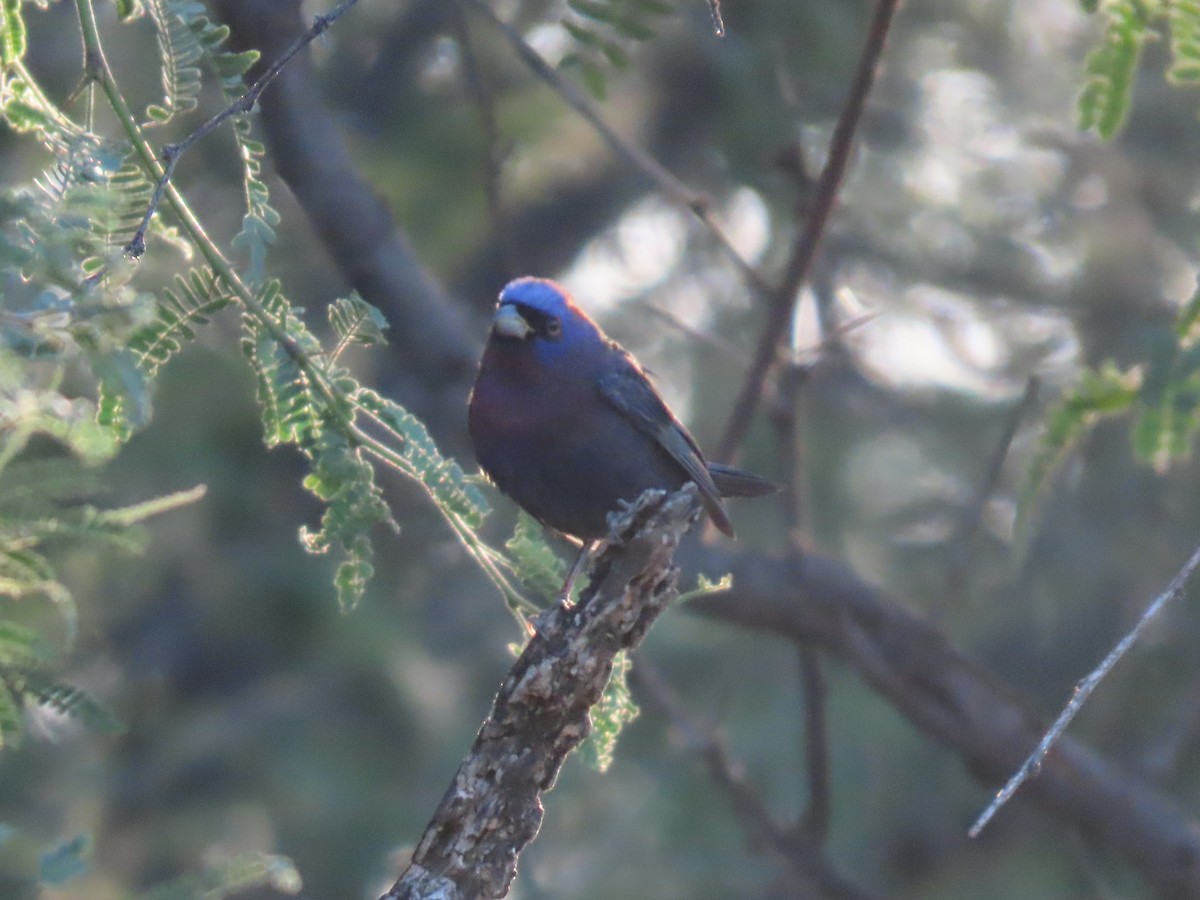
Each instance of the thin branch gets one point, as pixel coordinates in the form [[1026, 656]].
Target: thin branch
[[909, 663], [814, 824], [969, 523], [1084, 689], [817, 211], [674, 190], [714, 7], [492, 809], [172, 152]]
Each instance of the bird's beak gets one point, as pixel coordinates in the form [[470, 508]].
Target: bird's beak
[[508, 322]]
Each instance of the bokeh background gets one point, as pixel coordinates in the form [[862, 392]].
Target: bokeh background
[[980, 241]]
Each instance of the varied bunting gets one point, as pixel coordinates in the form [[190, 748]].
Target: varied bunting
[[566, 423]]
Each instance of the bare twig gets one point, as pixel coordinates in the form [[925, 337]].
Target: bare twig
[[817, 211], [674, 190], [492, 809], [172, 152], [1083, 690], [718, 20], [909, 663]]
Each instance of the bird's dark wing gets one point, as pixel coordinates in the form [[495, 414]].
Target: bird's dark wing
[[627, 389]]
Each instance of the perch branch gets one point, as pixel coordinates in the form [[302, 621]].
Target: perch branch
[[492, 809]]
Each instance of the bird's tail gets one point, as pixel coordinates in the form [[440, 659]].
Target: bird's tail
[[733, 482]]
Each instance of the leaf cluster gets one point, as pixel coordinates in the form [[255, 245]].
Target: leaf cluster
[[604, 32]]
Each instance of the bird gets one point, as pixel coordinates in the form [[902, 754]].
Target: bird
[[566, 423]]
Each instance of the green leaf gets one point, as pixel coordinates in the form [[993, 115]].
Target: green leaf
[[1110, 69], [1100, 394], [233, 876], [1184, 17], [11, 718], [12, 33], [179, 55], [445, 481], [190, 302], [593, 79], [355, 321], [612, 712], [538, 566], [129, 9], [599, 10]]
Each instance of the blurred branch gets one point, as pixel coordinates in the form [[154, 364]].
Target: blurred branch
[[968, 523], [910, 663], [492, 809], [674, 190], [816, 212], [799, 849], [172, 152], [814, 824], [1034, 762]]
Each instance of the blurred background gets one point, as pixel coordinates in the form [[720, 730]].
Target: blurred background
[[980, 241]]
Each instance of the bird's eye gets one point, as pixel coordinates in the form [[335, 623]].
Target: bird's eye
[[553, 329]]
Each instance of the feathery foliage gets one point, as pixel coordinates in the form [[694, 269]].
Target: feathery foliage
[[1165, 397], [603, 32]]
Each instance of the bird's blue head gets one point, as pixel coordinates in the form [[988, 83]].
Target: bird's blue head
[[542, 313]]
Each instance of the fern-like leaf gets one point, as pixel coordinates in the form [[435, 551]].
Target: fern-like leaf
[[355, 321], [230, 877], [291, 408], [13, 41], [1184, 16], [612, 712], [1110, 69], [180, 53], [539, 567], [345, 481], [603, 31], [441, 476], [190, 302], [1100, 394]]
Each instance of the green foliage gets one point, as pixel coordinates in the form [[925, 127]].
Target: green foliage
[[12, 32], [537, 566], [705, 586], [233, 876], [1099, 394], [1164, 395], [1184, 17], [67, 860], [180, 53], [1111, 67], [603, 31], [355, 321], [609, 716]]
